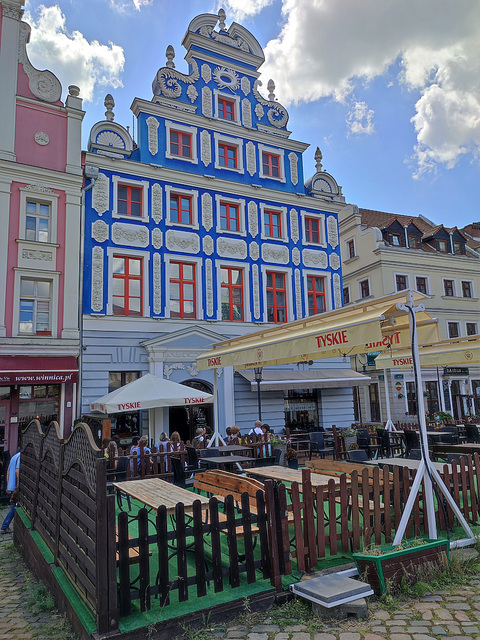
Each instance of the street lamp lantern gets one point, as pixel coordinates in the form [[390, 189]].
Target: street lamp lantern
[[258, 378]]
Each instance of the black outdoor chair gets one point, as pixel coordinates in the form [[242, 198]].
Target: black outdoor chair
[[317, 445], [364, 442], [449, 438], [194, 462], [179, 475], [277, 455], [472, 433], [357, 455], [412, 441], [121, 476]]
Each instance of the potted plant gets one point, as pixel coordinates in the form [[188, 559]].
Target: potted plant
[[279, 442], [350, 438], [385, 568], [291, 456], [445, 417]]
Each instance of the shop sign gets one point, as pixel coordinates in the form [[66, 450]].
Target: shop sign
[[456, 371], [399, 376], [299, 406], [37, 377]]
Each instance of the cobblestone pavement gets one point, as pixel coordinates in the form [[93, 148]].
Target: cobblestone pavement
[[453, 613]]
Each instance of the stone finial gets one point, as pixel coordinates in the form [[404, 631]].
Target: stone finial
[[318, 159], [109, 103], [271, 89], [73, 90], [170, 53], [221, 18]]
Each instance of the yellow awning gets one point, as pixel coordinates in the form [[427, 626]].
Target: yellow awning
[[372, 325], [444, 353]]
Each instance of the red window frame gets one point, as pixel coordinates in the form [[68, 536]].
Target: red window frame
[[180, 144], [178, 209], [227, 155], [128, 276], [226, 108], [124, 204], [229, 216], [233, 291], [312, 230], [271, 165], [276, 297], [272, 223], [316, 295], [182, 282]]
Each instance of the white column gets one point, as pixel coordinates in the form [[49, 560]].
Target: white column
[[11, 15], [228, 395], [74, 133], [71, 269], [4, 226]]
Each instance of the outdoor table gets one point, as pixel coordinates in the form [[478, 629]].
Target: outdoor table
[[229, 449], [226, 461], [154, 492], [284, 474], [406, 462], [465, 448]]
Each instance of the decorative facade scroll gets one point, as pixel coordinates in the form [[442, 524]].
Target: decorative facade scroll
[[152, 124], [275, 253], [206, 73], [169, 368], [209, 286], [207, 105], [253, 218], [259, 111], [131, 235], [205, 148], [247, 113], [157, 208], [100, 196], [192, 93], [97, 280], [296, 256], [232, 248], [157, 283], [208, 245], [256, 292], [332, 230], [277, 115], [315, 258], [294, 230], [293, 158], [226, 78], [207, 211], [182, 241], [43, 84], [251, 158], [245, 84], [157, 238], [234, 41], [254, 251], [337, 293], [167, 81], [298, 292], [100, 231], [334, 261]]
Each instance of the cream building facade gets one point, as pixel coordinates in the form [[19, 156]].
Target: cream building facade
[[383, 253]]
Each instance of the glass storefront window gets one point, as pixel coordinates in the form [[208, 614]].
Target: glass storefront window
[[40, 391], [39, 402], [25, 392], [301, 409]]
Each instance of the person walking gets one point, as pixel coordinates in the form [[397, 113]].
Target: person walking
[[13, 474]]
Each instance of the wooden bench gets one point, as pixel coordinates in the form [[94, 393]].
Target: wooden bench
[[336, 468], [133, 552]]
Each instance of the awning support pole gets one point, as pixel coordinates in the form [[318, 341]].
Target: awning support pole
[[426, 470], [389, 425], [216, 439]]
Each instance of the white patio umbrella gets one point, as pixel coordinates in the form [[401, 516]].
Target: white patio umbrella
[[149, 392]]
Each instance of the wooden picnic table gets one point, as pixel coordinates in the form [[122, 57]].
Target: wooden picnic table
[[154, 493], [465, 448], [284, 474], [405, 462]]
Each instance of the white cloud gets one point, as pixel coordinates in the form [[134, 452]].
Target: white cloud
[[70, 56], [238, 10], [327, 47], [122, 7], [360, 119]]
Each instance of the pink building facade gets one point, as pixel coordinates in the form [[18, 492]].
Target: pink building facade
[[40, 239]]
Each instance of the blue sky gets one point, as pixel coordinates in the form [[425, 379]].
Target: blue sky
[[389, 90]]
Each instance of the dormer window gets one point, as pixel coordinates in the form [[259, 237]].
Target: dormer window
[[442, 246], [458, 248], [413, 242], [395, 240]]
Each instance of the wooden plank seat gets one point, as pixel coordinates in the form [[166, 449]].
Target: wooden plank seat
[[133, 552], [336, 468]]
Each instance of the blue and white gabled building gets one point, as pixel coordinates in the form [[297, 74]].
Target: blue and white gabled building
[[202, 229]]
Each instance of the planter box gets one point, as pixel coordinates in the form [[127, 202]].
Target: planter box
[[389, 567]]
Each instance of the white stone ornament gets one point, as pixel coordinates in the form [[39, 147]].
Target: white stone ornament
[[226, 78], [208, 245], [293, 158], [337, 294], [277, 115], [275, 253], [295, 233], [183, 241], [35, 254], [296, 256], [207, 211], [334, 261], [245, 84], [100, 195], [42, 138], [206, 73], [168, 81], [232, 248], [110, 139], [256, 290], [157, 283], [247, 113], [332, 231], [152, 124], [253, 218], [100, 231], [205, 148], [314, 258], [157, 238], [192, 93], [298, 292], [169, 368], [130, 235], [251, 158], [43, 84], [254, 251], [192, 369], [259, 111], [97, 280], [157, 207], [207, 107], [39, 188], [209, 286]]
